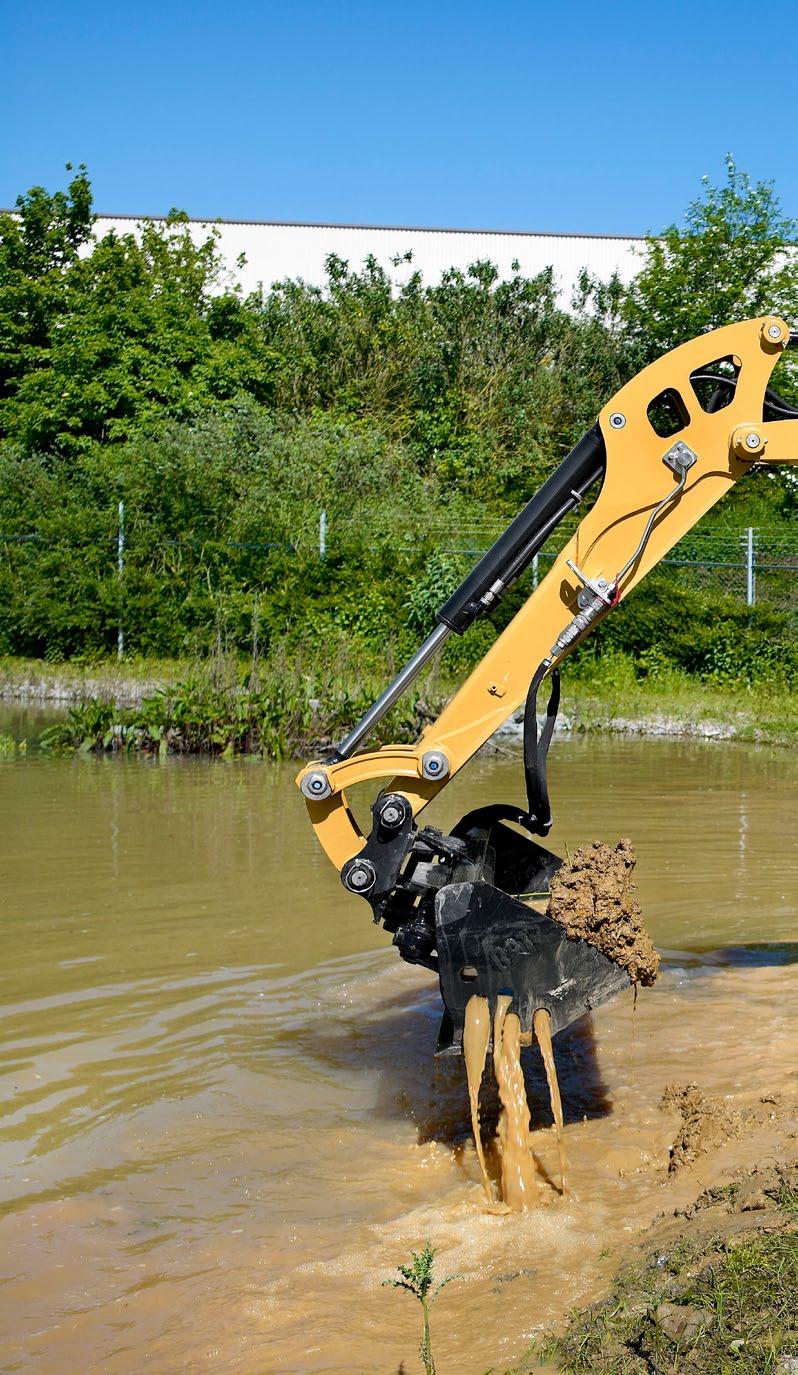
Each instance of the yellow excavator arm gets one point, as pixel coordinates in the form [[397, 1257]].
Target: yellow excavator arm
[[711, 400]]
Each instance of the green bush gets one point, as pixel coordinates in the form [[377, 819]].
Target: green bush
[[710, 635], [416, 416]]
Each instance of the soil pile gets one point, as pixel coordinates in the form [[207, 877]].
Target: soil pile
[[706, 1123], [594, 899], [709, 1122]]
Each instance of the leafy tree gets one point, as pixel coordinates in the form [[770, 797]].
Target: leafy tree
[[475, 375], [727, 262], [100, 345], [38, 247]]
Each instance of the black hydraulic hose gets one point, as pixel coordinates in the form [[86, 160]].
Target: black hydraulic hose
[[774, 406], [514, 550]]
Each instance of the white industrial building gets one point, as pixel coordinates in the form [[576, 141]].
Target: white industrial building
[[276, 250]]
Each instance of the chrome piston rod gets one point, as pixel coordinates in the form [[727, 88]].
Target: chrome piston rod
[[392, 693]]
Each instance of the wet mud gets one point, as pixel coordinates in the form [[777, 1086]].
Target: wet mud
[[708, 1122], [710, 1287], [594, 898]]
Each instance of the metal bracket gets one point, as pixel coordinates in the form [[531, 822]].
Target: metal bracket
[[680, 457], [592, 588]]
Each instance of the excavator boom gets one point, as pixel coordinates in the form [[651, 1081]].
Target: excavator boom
[[663, 451]]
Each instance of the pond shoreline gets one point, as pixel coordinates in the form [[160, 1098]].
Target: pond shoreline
[[145, 691]]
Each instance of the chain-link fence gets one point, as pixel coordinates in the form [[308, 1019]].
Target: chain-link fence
[[753, 564]]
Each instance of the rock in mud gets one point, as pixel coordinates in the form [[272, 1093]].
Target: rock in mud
[[679, 1321], [594, 899]]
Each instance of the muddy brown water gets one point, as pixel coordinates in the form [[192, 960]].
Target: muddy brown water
[[222, 1126]]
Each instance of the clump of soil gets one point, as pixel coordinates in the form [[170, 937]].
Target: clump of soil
[[706, 1123], [709, 1122], [594, 899]]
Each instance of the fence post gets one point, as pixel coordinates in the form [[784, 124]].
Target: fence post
[[120, 567], [534, 571], [323, 535], [750, 589]]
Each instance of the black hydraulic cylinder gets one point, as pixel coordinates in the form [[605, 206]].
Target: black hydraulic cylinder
[[513, 551]]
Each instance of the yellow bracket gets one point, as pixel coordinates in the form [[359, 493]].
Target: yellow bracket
[[725, 443]]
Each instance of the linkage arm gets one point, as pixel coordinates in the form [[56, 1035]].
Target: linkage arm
[[653, 491]]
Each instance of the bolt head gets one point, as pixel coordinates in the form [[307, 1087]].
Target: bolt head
[[773, 334], [361, 877], [617, 420], [316, 785], [392, 814], [434, 764]]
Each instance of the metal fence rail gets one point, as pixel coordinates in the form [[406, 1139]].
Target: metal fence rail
[[755, 565]]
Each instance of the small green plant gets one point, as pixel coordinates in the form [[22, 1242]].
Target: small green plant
[[418, 1279]]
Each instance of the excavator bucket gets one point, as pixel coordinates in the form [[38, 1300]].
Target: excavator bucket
[[490, 942], [459, 904]]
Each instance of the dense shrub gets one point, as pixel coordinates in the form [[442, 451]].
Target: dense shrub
[[417, 417]]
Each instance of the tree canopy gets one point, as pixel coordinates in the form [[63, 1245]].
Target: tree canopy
[[130, 369]]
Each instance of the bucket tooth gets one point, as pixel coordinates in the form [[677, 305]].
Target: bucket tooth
[[488, 941]]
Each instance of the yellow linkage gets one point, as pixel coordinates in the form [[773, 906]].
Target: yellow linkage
[[726, 443]]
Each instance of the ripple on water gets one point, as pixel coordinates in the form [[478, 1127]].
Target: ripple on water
[[222, 1124]]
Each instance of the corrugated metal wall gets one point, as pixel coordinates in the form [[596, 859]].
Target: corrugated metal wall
[[276, 251]]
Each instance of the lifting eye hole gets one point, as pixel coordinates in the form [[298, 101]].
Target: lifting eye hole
[[667, 413], [715, 383]]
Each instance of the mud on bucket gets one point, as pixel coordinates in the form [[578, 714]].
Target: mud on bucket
[[488, 941]]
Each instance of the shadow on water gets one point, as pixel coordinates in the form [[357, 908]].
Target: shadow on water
[[756, 955], [397, 1042]]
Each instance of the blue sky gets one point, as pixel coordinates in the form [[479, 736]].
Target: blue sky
[[573, 117]]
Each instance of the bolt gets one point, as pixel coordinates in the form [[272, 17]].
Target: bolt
[[392, 813], [361, 877], [434, 764], [617, 420], [747, 443], [316, 785], [772, 334]]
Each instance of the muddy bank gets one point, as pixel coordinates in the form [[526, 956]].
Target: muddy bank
[[695, 711], [713, 1288], [594, 899]]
